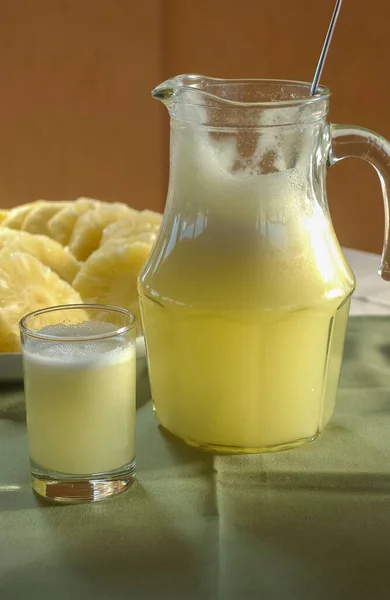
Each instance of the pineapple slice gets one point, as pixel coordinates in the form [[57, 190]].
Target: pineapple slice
[[48, 251], [110, 276], [62, 224], [37, 219], [16, 216], [7, 235], [26, 285], [150, 218], [128, 229], [88, 230], [3, 215], [146, 237]]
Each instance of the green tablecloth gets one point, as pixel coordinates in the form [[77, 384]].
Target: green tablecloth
[[311, 523]]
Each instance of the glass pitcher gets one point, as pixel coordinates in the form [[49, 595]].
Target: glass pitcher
[[246, 294]]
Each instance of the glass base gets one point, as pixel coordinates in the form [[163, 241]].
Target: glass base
[[239, 450], [75, 489], [218, 449]]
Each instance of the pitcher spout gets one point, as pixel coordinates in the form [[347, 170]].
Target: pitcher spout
[[166, 90], [202, 86]]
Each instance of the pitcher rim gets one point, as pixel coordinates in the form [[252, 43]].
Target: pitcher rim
[[165, 91]]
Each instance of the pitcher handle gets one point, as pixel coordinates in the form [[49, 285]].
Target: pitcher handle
[[351, 141]]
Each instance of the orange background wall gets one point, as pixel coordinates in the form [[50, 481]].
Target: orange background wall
[[75, 78]]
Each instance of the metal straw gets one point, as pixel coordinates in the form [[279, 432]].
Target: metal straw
[[325, 48]]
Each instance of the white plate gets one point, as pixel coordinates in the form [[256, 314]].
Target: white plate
[[11, 364]]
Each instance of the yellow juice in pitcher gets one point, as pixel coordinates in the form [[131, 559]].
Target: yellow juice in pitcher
[[245, 302]]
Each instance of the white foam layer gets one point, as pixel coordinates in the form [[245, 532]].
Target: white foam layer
[[74, 354], [83, 329]]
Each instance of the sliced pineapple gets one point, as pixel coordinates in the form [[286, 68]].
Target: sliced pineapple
[[61, 225], [139, 223], [48, 251], [89, 227], [16, 216], [147, 237], [110, 276], [7, 235], [151, 218], [128, 229], [3, 215], [38, 218], [119, 229], [27, 285]]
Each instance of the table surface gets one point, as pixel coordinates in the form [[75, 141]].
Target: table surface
[[312, 523]]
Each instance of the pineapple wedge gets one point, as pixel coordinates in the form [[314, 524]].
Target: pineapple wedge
[[38, 218], [26, 285], [135, 225], [146, 237], [7, 235], [3, 215], [110, 276], [16, 216], [61, 225], [89, 228], [151, 218], [48, 251]]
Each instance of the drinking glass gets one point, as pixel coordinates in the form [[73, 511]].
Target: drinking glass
[[79, 365]]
